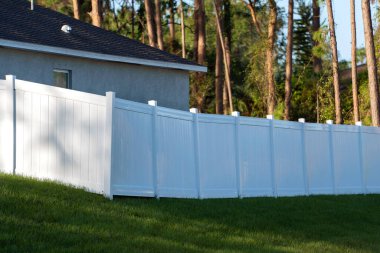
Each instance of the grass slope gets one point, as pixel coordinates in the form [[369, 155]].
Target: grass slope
[[48, 217]]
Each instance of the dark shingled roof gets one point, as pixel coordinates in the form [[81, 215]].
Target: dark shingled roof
[[43, 26]]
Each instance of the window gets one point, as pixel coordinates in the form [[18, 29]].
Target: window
[[62, 78]]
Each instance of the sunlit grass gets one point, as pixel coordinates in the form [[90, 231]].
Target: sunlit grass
[[48, 217]]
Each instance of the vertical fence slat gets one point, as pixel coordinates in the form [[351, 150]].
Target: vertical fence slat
[[109, 144], [331, 148], [303, 150], [362, 173], [155, 174], [196, 150], [272, 156], [10, 124], [237, 153]]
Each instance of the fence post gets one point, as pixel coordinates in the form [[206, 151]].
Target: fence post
[[10, 124], [304, 165], [362, 172], [153, 103], [272, 157], [196, 150], [331, 147], [110, 104], [237, 153]]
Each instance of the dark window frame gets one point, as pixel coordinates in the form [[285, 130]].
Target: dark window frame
[[69, 77]]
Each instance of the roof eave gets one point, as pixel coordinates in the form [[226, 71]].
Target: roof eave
[[98, 56]]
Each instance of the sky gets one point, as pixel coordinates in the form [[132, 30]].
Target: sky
[[341, 9]]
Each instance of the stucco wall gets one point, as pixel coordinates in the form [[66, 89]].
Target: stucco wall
[[133, 82]]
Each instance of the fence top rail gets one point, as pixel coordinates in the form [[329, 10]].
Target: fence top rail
[[44, 89], [287, 124], [316, 127], [370, 130], [133, 106], [216, 119], [250, 121], [345, 128], [175, 114]]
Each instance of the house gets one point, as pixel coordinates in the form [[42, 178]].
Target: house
[[44, 46]]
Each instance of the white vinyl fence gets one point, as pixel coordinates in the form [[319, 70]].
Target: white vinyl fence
[[118, 147]]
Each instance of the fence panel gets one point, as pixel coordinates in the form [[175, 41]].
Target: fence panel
[[132, 170], [53, 133], [217, 165], [289, 173], [318, 159], [175, 154], [348, 177], [255, 157], [371, 158]]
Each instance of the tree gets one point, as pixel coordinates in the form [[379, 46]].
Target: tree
[[171, 25], [76, 9], [218, 63], [353, 63], [269, 56], [225, 58], [317, 61], [150, 23], [227, 36], [289, 61], [199, 50], [95, 13], [201, 23], [335, 65], [371, 63], [160, 38], [183, 35]]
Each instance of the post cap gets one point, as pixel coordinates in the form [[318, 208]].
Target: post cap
[[301, 120], [329, 122], [270, 117], [152, 102], [235, 113], [194, 110], [359, 123]]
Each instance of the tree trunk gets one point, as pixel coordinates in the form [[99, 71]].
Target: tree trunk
[[289, 62], [338, 111], [183, 37], [196, 29], [225, 58], [317, 62], [251, 6], [171, 25], [95, 13], [269, 56], [133, 19], [353, 63], [371, 63], [160, 38], [150, 23], [202, 33], [76, 9], [218, 65]]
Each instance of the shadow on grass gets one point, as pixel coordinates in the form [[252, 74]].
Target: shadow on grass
[[46, 217]]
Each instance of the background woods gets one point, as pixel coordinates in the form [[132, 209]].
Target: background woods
[[261, 58]]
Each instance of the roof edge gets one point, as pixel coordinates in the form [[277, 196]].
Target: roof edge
[[98, 56]]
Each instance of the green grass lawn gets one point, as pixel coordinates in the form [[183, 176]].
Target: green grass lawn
[[48, 217]]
